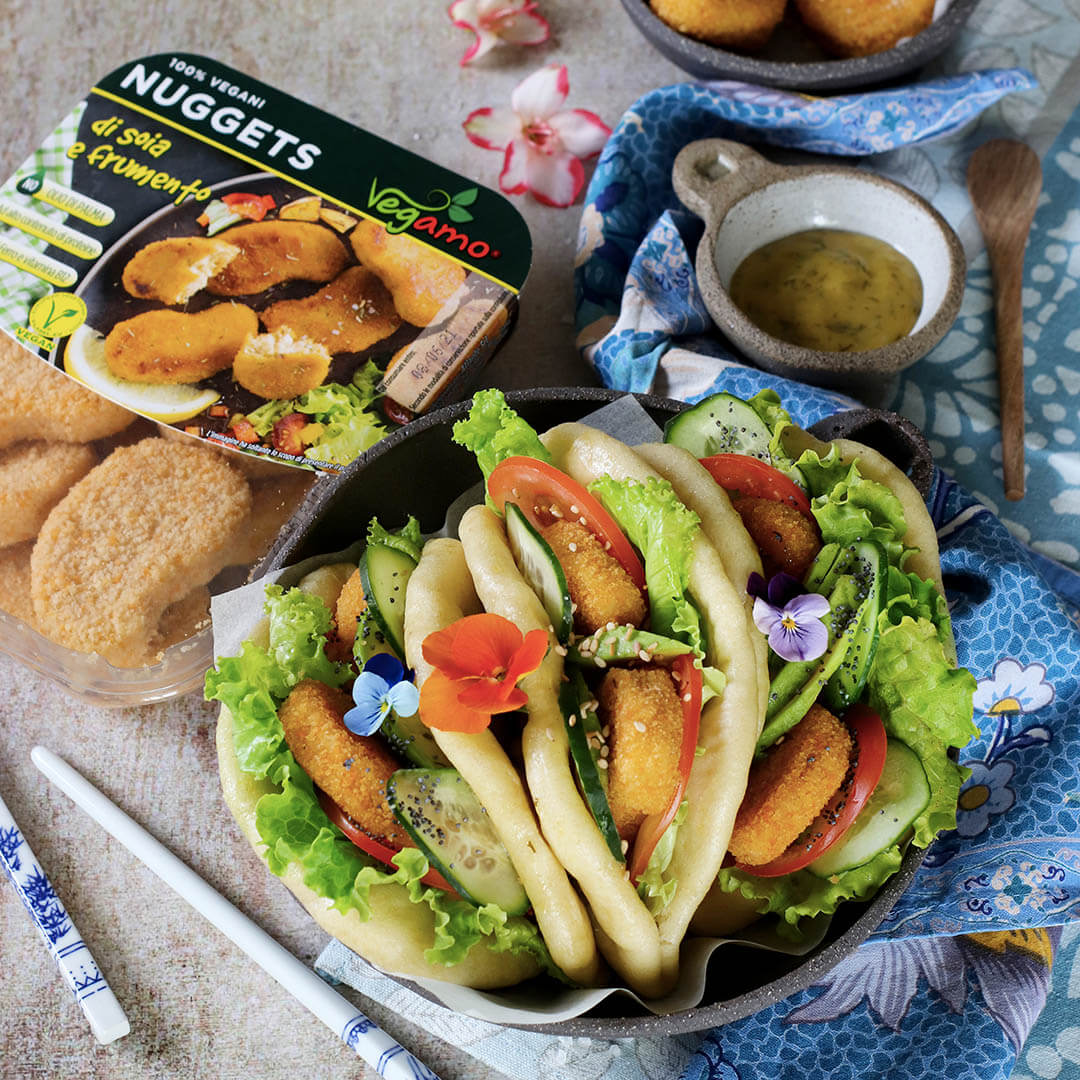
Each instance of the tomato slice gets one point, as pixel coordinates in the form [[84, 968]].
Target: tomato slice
[[247, 205], [652, 828], [742, 475], [841, 810], [544, 494], [369, 845]]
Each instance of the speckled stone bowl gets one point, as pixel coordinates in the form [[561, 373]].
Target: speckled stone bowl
[[419, 470], [746, 202], [791, 60]]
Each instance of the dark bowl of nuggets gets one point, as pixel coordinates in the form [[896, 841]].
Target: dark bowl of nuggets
[[820, 45], [420, 471]]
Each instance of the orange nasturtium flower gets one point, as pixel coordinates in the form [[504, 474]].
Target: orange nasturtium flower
[[478, 661]]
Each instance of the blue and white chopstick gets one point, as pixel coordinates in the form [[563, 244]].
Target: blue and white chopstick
[[370, 1042], [107, 1019]]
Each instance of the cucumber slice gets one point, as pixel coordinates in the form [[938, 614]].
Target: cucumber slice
[[623, 643], [541, 570], [799, 683], [384, 573], [721, 424], [411, 738], [590, 776], [450, 826], [901, 795], [821, 567], [868, 563], [370, 640]]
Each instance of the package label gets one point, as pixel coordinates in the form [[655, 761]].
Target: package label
[[218, 256]]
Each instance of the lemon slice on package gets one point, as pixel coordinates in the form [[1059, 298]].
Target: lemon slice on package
[[84, 359]]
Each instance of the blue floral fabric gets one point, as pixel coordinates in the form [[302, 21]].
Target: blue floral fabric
[[954, 979]]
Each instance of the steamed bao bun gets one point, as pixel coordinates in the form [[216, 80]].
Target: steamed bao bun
[[399, 931]]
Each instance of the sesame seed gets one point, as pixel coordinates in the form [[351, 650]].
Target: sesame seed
[[639, 726], [571, 720], [574, 510], [687, 696], [573, 547], [625, 845]]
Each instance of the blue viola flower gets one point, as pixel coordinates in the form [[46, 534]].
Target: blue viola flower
[[790, 615], [381, 687]]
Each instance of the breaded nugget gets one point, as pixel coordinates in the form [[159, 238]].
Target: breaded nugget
[[34, 477], [178, 347], [273, 502], [862, 27], [732, 24], [419, 279], [15, 582], [600, 588], [280, 365], [351, 769], [641, 710], [787, 539], [351, 603], [275, 251], [134, 536], [174, 270], [790, 786], [350, 314], [39, 402]]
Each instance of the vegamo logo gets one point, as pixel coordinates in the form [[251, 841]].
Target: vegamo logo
[[401, 211]]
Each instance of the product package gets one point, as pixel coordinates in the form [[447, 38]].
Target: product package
[[212, 298]]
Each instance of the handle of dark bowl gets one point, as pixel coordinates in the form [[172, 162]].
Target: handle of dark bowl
[[711, 174], [890, 434]]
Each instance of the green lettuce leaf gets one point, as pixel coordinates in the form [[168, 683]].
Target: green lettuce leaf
[[766, 403], [350, 424], [663, 530], [408, 539], [848, 506], [653, 889], [803, 895], [493, 431], [927, 704], [915, 597]]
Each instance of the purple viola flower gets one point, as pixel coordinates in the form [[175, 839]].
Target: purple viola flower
[[381, 687], [790, 615]]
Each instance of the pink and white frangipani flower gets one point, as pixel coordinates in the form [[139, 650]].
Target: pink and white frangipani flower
[[499, 22], [543, 143]]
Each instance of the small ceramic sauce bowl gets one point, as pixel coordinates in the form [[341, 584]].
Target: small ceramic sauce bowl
[[747, 202]]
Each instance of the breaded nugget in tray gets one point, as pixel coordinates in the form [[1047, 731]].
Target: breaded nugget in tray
[[128, 541], [38, 402], [34, 477]]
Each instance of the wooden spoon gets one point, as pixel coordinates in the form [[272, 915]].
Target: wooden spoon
[[1004, 179]]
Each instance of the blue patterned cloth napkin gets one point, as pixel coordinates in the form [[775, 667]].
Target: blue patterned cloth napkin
[[954, 979]]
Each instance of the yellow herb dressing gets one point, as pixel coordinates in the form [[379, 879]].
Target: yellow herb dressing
[[829, 289]]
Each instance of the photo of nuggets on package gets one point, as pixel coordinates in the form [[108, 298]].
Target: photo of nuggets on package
[[212, 297], [219, 257]]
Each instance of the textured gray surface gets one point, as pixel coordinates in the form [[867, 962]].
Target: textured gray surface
[[198, 1007]]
